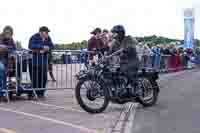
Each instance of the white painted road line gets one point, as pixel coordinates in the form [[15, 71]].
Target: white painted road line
[[69, 109], [58, 107], [49, 119], [123, 124], [129, 125], [5, 130]]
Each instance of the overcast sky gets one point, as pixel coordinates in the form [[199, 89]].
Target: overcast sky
[[72, 20]]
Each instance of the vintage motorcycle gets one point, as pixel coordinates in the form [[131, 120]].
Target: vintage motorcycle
[[105, 83]]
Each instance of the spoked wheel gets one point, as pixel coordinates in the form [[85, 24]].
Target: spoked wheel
[[150, 92], [91, 96]]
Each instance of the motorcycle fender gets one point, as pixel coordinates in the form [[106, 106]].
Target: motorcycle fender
[[82, 75], [151, 75]]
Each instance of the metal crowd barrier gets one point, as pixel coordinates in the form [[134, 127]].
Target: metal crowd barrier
[[64, 64], [164, 63]]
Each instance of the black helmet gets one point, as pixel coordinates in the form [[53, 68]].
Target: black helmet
[[118, 29]]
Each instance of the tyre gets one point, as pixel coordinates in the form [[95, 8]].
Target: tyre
[[150, 92], [95, 91]]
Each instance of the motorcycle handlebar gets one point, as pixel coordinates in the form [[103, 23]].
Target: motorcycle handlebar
[[111, 55]]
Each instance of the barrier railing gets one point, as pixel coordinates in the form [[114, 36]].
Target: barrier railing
[[28, 73], [165, 63]]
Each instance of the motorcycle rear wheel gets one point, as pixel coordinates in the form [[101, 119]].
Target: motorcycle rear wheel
[[150, 92]]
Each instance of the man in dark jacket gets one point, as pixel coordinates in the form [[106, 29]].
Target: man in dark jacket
[[129, 61], [7, 44], [40, 44]]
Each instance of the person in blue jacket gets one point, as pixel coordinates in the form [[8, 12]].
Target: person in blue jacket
[[40, 44], [157, 57]]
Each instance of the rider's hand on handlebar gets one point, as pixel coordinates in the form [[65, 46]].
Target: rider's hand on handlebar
[[106, 57]]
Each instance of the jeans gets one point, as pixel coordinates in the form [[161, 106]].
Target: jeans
[[38, 75], [2, 77]]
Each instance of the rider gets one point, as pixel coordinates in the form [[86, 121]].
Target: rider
[[6, 44], [129, 62]]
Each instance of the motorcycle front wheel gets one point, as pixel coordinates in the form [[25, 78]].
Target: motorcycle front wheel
[[93, 93]]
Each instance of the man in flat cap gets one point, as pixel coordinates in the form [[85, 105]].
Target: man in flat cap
[[95, 43], [40, 44]]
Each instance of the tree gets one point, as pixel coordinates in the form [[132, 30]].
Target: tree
[[147, 39], [18, 44]]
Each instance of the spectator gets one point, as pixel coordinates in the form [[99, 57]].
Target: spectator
[[180, 58], [197, 56], [152, 60], [163, 58], [95, 43], [177, 60], [146, 55], [197, 52], [40, 44], [166, 55], [110, 39], [139, 49], [189, 53], [157, 57], [172, 58], [105, 38], [6, 44]]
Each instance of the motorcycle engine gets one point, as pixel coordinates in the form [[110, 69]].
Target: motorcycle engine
[[120, 84]]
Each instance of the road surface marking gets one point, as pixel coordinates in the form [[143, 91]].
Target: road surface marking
[[100, 130], [4, 130], [58, 107], [49, 119], [129, 126], [65, 108]]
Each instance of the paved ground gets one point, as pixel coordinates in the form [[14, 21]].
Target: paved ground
[[177, 110], [57, 113]]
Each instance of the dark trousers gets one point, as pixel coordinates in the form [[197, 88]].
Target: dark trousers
[[38, 75], [130, 72]]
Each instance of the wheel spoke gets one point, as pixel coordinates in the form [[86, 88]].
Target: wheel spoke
[[97, 98], [147, 90], [85, 86]]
